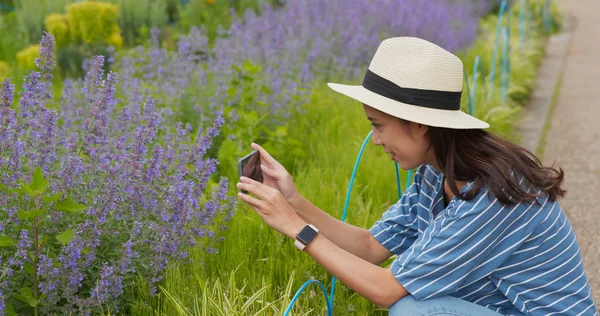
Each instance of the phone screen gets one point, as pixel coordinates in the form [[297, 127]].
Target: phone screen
[[249, 166]]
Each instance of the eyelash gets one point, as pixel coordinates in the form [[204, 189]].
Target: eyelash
[[375, 125]]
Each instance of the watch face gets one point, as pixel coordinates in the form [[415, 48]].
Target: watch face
[[306, 235]]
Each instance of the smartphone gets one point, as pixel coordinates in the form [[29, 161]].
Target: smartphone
[[249, 166]]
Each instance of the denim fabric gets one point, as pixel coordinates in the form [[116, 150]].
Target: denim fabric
[[441, 306]]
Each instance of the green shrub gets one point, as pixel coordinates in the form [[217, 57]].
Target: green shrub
[[136, 17], [70, 58], [525, 58], [252, 123], [13, 41], [26, 58], [31, 15], [214, 13], [94, 22], [58, 25]]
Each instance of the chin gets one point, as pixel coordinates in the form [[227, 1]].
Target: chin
[[406, 165]]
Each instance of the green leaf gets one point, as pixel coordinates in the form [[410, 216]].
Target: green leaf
[[27, 215], [69, 206], [21, 298], [6, 241], [27, 297], [84, 157], [28, 267], [65, 237], [281, 130], [250, 68], [52, 198], [250, 117], [26, 291], [10, 310], [85, 250], [265, 89], [25, 188], [190, 167], [38, 183]]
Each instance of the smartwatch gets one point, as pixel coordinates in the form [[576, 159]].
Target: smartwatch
[[305, 236]]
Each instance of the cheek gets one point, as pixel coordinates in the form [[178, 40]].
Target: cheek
[[412, 152]]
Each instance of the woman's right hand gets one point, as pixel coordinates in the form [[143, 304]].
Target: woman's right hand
[[275, 175]]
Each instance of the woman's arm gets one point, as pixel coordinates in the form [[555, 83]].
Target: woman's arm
[[376, 284], [355, 240]]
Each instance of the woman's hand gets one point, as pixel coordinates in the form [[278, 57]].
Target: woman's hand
[[276, 177], [271, 206]]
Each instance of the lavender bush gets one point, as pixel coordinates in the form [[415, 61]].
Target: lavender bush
[[260, 71], [96, 194]]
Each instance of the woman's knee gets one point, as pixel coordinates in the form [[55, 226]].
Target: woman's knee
[[407, 305], [445, 305]]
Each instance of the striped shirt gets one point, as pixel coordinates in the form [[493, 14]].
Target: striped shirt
[[516, 260]]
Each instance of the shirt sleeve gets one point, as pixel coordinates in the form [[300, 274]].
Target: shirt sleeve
[[397, 229], [467, 242]]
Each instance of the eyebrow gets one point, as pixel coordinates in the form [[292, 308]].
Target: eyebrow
[[371, 118]]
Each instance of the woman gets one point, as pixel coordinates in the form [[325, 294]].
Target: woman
[[479, 232]]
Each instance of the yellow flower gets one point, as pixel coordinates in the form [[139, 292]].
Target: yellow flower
[[211, 1]]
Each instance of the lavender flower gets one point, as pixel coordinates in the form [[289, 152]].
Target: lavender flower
[[24, 244], [2, 303], [7, 93], [46, 62], [49, 278]]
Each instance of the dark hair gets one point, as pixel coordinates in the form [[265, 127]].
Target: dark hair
[[478, 156]]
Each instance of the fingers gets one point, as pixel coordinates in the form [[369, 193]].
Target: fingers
[[260, 190], [253, 202], [270, 172], [264, 155]]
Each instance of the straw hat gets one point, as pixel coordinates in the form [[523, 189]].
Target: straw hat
[[415, 80]]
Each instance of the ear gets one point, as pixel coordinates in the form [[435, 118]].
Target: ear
[[419, 129]]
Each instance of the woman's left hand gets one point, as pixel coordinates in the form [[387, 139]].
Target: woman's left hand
[[271, 206]]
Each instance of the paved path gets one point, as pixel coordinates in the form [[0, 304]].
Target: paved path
[[574, 138]]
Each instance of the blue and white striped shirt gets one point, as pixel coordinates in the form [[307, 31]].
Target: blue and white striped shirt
[[516, 260]]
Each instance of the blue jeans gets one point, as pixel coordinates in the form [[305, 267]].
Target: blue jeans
[[442, 306]]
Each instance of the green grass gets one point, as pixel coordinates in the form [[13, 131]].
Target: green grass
[[541, 148]]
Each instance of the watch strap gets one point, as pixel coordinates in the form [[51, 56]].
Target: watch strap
[[299, 245]]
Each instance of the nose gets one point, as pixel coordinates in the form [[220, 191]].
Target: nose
[[376, 139]]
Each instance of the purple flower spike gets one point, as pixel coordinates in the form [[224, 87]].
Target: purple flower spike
[[46, 62], [7, 93]]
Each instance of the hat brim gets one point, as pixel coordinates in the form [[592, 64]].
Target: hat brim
[[427, 116]]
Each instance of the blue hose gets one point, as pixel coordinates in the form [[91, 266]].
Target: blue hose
[[503, 8], [287, 311]]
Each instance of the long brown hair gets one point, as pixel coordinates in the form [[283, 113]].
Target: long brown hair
[[478, 156]]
